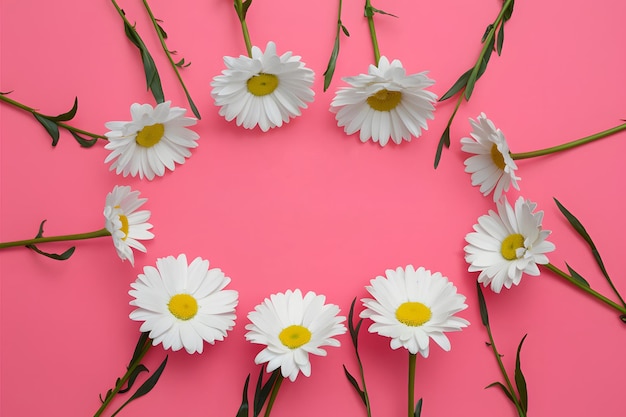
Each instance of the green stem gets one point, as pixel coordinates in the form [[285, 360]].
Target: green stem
[[586, 288], [498, 357], [362, 374], [241, 13], [24, 107], [122, 381], [36, 241], [273, 395], [412, 360], [569, 145], [369, 13]]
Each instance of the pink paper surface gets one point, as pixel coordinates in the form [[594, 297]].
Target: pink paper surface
[[305, 206]]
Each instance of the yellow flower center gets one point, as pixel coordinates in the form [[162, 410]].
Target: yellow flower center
[[294, 336], [384, 100], [497, 157], [413, 313], [183, 306], [150, 135], [510, 245], [124, 227], [262, 84]]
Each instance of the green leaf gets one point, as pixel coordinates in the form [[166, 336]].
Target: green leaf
[[520, 381], [161, 30], [108, 394], [192, 105], [50, 126], [354, 330], [484, 316], [500, 41], [506, 391], [64, 117], [133, 377], [85, 143], [355, 385], [56, 256], [375, 10], [478, 70], [146, 387], [141, 343], [577, 276], [243, 409], [489, 28], [244, 9], [262, 393], [345, 30], [444, 140], [418, 408], [509, 11], [457, 86], [182, 64], [332, 62]]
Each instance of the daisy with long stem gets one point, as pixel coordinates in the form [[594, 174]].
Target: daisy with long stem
[[261, 89], [123, 223], [411, 307], [386, 103], [492, 165], [53, 123], [292, 326]]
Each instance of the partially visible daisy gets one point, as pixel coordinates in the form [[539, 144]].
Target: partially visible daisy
[[385, 103], [183, 305], [264, 89], [125, 224], [413, 306], [292, 327], [491, 166], [155, 139], [506, 244]]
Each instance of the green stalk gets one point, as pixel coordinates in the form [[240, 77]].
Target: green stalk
[[62, 238], [587, 289], [241, 13], [273, 395], [412, 360], [24, 107], [362, 374], [369, 13], [122, 381], [498, 357], [569, 145]]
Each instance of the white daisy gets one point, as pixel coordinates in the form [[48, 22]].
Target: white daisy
[[183, 305], [156, 138], [126, 225], [292, 326], [265, 90], [491, 166], [385, 103], [507, 244], [413, 306]]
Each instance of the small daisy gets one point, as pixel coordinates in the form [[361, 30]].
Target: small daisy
[[507, 244], [183, 305], [156, 138], [491, 166], [385, 103], [125, 223], [265, 89], [292, 326], [413, 306]]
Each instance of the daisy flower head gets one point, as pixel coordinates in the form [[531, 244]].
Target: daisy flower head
[[506, 244], [156, 138], [413, 306], [183, 305], [385, 103], [292, 327], [264, 89], [491, 166], [127, 225]]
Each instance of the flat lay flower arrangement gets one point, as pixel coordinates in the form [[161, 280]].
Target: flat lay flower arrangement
[[377, 208]]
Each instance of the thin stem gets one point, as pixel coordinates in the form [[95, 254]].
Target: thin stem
[[241, 13], [273, 395], [569, 145], [412, 360], [24, 107], [498, 357], [585, 288], [122, 381], [62, 238], [369, 13], [362, 374]]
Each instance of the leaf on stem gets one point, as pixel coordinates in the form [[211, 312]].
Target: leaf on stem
[[354, 330], [418, 409], [370, 11], [575, 275], [484, 316], [243, 409], [457, 86], [520, 381], [85, 143], [133, 377], [444, 140], [56, 256], [355, 385], [476, 71], [242, 8], [501, 386], [509, 11], [262, 391], [146, 387], [64, 117], [500, 40], [182, 64], [50, 126]]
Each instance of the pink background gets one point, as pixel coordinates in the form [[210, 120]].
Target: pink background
[[305, 206]]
